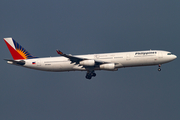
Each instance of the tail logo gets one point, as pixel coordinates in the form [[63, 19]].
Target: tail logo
[[16, 50], [24, 53]]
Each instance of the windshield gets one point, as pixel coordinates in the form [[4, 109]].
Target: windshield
[[169, 53]]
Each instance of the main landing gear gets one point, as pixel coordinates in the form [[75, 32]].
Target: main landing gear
[[159, 69], [90, 74]]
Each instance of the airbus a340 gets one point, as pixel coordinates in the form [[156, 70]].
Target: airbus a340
[[89, 62]]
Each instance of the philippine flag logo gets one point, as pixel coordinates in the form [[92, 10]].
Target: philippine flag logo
[[33, 63]]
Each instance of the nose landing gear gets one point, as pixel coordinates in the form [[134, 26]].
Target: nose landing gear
[[159, 69]]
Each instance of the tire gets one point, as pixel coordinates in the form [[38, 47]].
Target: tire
[[94, 74], [88, 77], [159, 69]]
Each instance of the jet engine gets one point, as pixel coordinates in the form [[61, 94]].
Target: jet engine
[[87, 62], [109, 66]]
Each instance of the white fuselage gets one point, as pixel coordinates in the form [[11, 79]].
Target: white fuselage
[[120, 59]]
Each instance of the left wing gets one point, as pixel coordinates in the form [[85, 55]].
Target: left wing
[[71, 58], [77, 60]]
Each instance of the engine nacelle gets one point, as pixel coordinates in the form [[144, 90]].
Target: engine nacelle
[[110, 66], [87, 62]]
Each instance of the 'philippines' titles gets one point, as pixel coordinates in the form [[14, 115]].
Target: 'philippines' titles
[[145, 53]]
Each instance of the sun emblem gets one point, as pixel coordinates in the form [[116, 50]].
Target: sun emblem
[[22, 52]]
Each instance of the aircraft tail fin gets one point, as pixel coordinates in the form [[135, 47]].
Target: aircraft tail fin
[[16, 50]]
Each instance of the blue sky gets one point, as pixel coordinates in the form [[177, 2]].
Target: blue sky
[[83, 27]]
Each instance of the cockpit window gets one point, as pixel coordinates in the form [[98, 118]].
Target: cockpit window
[[169, 54]]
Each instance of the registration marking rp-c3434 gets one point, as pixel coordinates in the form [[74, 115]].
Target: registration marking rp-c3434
[[89, 63]]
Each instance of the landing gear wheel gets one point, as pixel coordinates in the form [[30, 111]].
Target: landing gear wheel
[[90, 74], [159, 69], [94, 74], [88, 77]]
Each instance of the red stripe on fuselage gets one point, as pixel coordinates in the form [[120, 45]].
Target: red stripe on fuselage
[[14, 53]]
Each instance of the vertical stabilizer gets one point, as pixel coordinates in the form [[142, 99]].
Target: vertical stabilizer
[[16, 50]]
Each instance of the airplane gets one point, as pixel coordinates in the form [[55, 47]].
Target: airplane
[[89, 62]]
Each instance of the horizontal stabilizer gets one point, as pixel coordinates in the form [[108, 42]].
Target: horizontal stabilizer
[[14, 62]]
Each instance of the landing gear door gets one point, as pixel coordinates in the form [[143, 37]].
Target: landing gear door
[[160, 55]]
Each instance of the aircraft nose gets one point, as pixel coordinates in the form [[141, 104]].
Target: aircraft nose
[[175, 56], [172, 57]]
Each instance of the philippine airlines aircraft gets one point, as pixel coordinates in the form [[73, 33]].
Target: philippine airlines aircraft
[[89, 63]]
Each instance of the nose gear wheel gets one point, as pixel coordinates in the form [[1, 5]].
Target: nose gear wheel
[[159, 69]]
